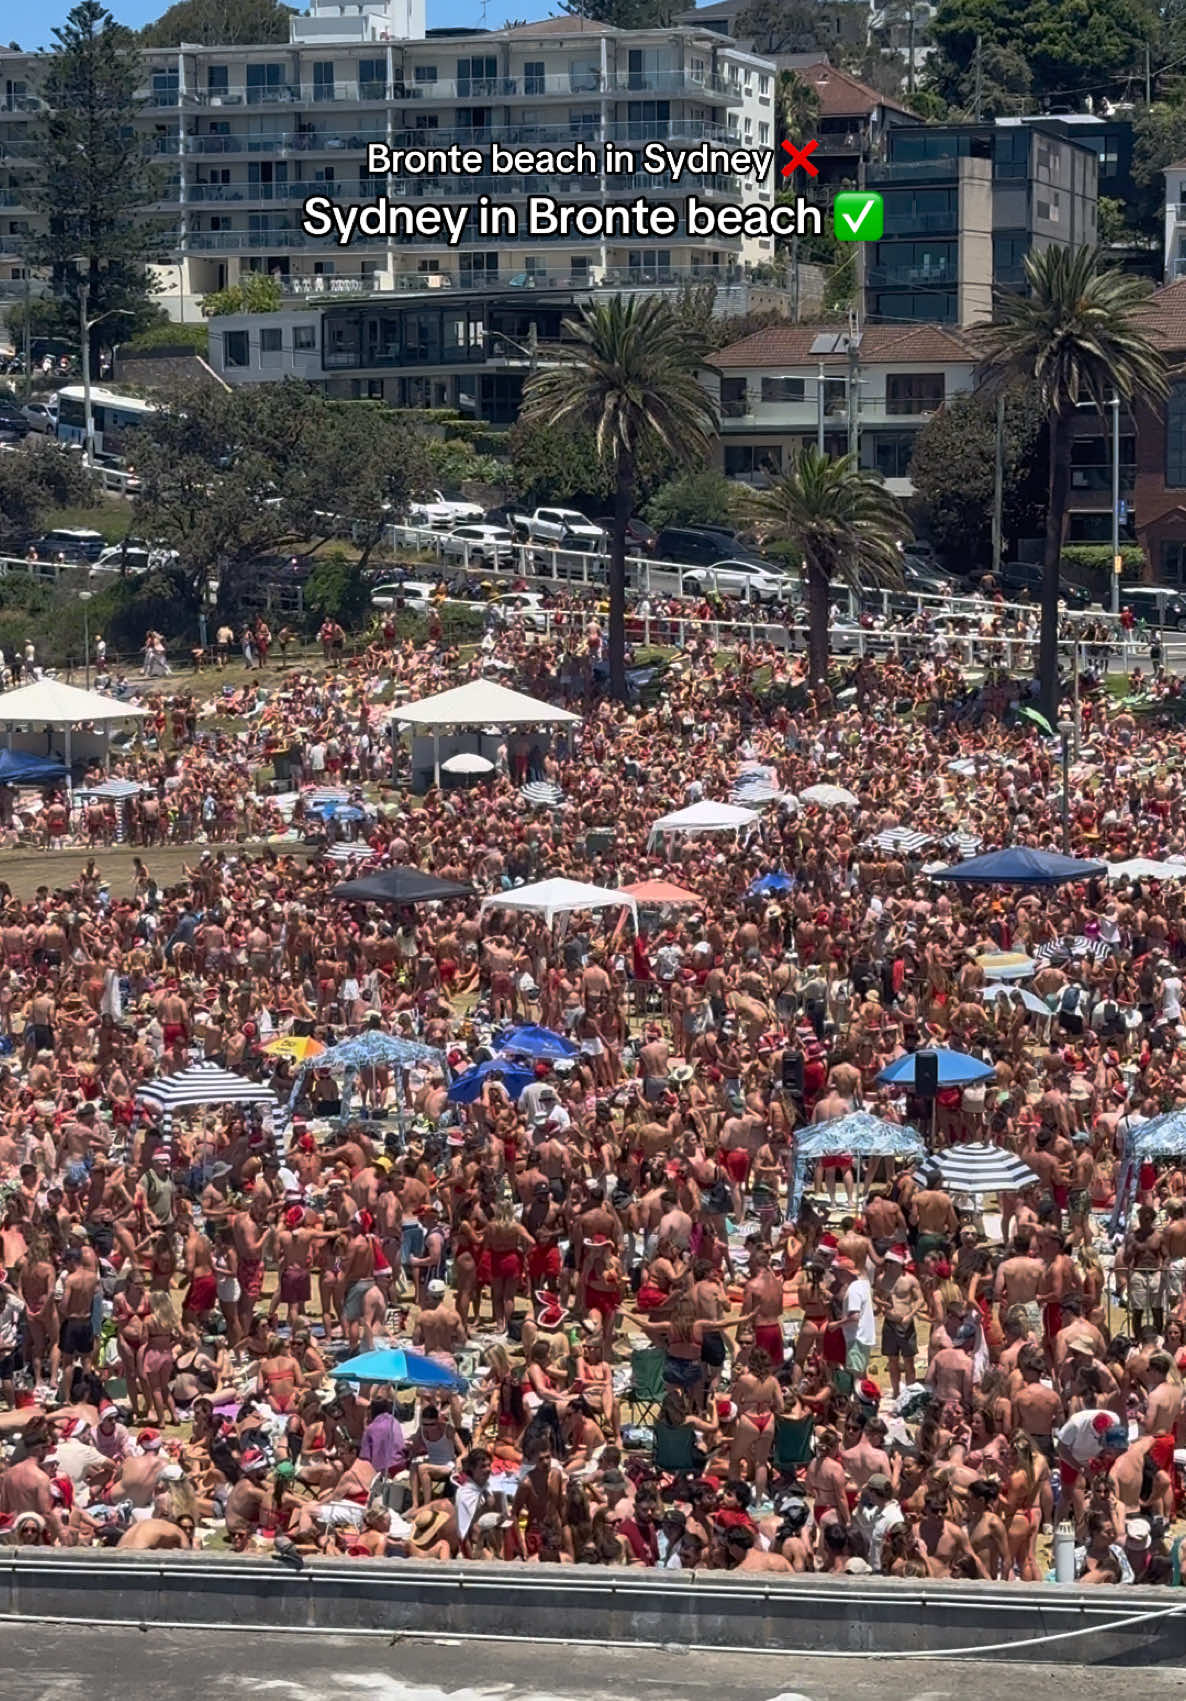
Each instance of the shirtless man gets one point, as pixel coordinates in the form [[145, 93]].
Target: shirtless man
[[1164, 1401], [1037, 1409], [363, 1304], [933, 1217], [539, 1497], [943, 1541], [77, 1339], [439, 1330], [763, 1294], [1017, 1281], [252, 1236], [898, 1296], [1173, 1249]]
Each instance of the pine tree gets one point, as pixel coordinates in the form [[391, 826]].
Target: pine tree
[[94, 183]]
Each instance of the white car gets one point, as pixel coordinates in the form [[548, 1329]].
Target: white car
[[131, 558], [42, 416], [520, 608], [416, 596], [565, 526], [491, 545], [442, 512], [747, 580]]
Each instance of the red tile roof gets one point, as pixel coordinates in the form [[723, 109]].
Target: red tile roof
[[1164, 315], [841, 95], [790, 345]]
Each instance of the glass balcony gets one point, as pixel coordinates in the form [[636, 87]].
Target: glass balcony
[[914, 171]]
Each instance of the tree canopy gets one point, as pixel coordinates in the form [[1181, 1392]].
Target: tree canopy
[[219, 23], [34, 479], [1069, 48], [953, 470]]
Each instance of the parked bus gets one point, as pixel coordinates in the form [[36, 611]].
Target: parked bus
[[116, 418]]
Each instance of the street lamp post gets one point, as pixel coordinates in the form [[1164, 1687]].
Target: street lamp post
[[84, 598], [85, 326], [1065, 729], [1116, 504]]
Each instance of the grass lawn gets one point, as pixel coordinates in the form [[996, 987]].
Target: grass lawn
[[112, 516]]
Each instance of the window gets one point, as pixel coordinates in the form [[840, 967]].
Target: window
[[745, 460], [323, 79], [783, 389], [234, 349], [264, 82], [734, 398], [1175, 437], [271, 340], [908, 393], [1008, 254], [426, 73], [1048, 210], [372, 79], [165, 85], [477, 75], [534, 78], [1173, 564], [1089, 527], [835, 396], [891, 453], [764, 135], [304, 338]]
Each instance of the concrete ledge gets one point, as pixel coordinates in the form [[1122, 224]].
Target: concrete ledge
[[587, 1604]]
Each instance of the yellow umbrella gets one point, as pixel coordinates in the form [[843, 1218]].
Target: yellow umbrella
[[297, 1046]]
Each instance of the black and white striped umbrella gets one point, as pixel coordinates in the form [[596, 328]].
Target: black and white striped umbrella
[[543, 793], [342, 852], [1062, 950], [902, 840], [751, 796], [980, 1167], [201, 1083], [963, 844]]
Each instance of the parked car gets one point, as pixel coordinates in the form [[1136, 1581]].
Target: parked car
[[640, 538], [752, 581], [520, 608], [700, 546], [416, 595], [1156, 605], [1017, 578], [566, 527], [493, 545], [13, 424], [442, 512], [70, 543], [41, 416], [132, 556]]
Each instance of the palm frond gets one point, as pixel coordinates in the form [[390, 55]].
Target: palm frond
[[840, 518]]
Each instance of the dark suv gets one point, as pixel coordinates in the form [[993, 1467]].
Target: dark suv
[[700, 546], [1016, 577]]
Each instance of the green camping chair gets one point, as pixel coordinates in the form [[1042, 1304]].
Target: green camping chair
[[647, 1388], [675, 1449], [794, 1444]]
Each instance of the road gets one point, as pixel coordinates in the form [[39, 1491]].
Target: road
[[58, 1663]]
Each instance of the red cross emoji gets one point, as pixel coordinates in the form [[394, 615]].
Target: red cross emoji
[[799, 157]]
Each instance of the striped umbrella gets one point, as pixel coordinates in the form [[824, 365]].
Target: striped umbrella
[[542, 793], [899, 839], [963, 844], [1062, 950], [200, 1084], [350, 852], [979, 1168]]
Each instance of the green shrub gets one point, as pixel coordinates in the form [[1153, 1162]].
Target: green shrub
[[172, 338]]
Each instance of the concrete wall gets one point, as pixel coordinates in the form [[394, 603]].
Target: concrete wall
[[868, 1616]]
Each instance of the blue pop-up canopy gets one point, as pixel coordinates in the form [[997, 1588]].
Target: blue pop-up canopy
[[1018, 865], [20, 768], [402, 1369], [769, 884]]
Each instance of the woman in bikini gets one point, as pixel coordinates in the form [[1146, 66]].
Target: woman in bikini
[[280, 1376], [468, 1225], [155, 1364], [1022, 1509], [758, 1397], [130, 1311]]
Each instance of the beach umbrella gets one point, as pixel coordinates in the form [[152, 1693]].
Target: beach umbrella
[[468, 1087], [1063, 950], [963, 844], [660, 892], [299, 1047], [980, 1167], [903, 840], [956, 1069], [542, 794], [467, 762], [1030, 1000], [357, 852], [832, 797], [398, 1367], [529, 1040], [399, 886], [1017, 865], [1007, 965], [749, 797], [331, 810], [770, 884]]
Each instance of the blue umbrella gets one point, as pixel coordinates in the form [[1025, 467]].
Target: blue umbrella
[[771, 883], [1016, 865], [530, 1040], [468, 1087], [393, 1364], [332, 811], [956, 1069]]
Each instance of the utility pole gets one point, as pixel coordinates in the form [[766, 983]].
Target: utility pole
[[998, 486], [978, 96], [1116, 504], [860, 249], [532, 346], [854, 390], [795, 278], [819, 409], [28, 386], [88, 417]]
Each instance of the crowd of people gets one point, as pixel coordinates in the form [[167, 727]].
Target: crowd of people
[[648, 1352]]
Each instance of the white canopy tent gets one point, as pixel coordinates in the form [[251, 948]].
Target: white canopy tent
[[704, 817], [483, 702], [1145, 868], [558, 896], [48, 703]]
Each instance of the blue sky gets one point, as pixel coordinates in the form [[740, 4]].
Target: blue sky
[[31, 22]]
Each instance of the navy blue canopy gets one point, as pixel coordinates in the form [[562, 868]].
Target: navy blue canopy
[[20, 768], [1016, 865]]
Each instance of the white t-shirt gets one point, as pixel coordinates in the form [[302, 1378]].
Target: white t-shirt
[[859, 1325], [1171, 998], [1081, 1439]]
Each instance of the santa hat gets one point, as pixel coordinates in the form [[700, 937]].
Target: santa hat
[[149, 1440], [294, 1217]]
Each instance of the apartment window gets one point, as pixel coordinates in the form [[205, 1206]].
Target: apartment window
[[164, 88], [1048, 210], [1173, 564], [1175, 437], [534, 77], [1008, 255], [304, 338], [271, 340], [764, 135], [763, 85], [219, 223], [264, 82], [323, 79], [1089, 527], [744, 460], [891, 453], [475, 267], [426, 74], [734, 398], [835, 397], [783, 389], [578, 269], [372, 79], [218, 78], [907, 393], [477, 75], [234, 349], [584, 76]]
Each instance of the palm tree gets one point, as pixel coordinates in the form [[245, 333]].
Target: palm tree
[[1077, 335], [843, 524], [628, 370]]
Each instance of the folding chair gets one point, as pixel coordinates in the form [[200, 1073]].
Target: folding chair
[[794, 1444], [675, 1449], [647, 1389]]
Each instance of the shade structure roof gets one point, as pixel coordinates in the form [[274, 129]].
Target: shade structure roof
[[400, 886], [559, 896], [116, 789], [202, 1083], [706, 817], [660, 892], [980, 1167], [20, 767], [1018, 865], [395, 1365], [47, 702], [375, 1048], [483, 702], [1146, 868]]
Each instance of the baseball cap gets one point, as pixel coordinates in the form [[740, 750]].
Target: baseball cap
[[879, 1483], [436, 1287]]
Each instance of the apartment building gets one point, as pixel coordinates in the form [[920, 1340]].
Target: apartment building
[[244, 135], [964, 204], [875, 392], [1175, 221]]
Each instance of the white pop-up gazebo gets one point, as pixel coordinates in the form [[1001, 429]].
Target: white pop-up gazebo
[[704, 817], [558, 896], [60, 708], [481, 703]]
